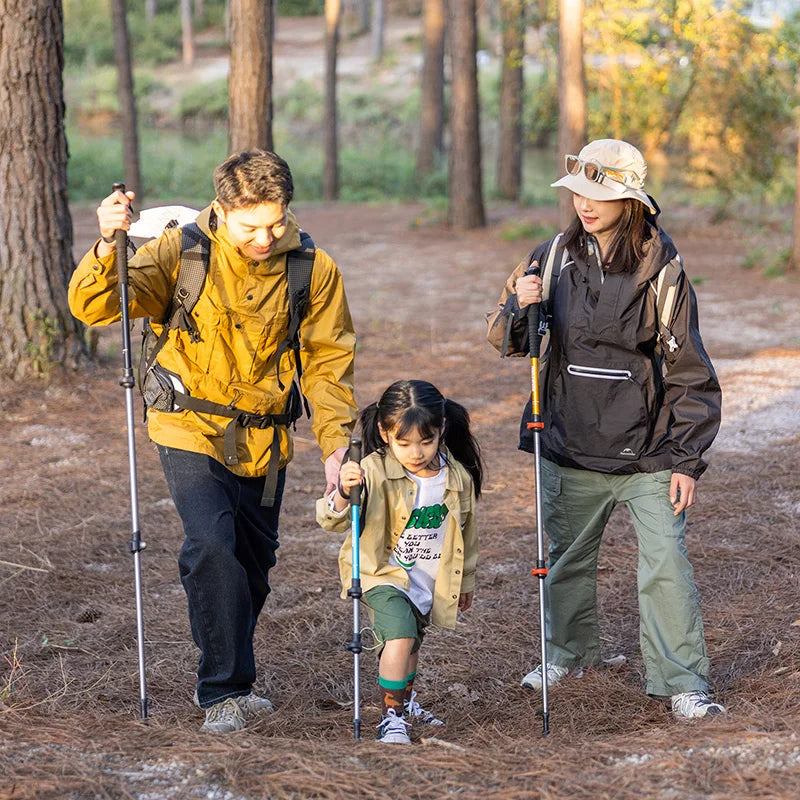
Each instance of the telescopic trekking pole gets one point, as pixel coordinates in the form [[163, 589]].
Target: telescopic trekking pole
[[536, 425], [354, 454], [127, 382]]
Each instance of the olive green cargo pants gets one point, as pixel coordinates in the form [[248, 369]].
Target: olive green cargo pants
[[576, 507]]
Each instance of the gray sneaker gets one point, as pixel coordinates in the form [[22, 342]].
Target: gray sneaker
[[533, 680], [692, 705], [224, 717], [251, 704], [393, 729]]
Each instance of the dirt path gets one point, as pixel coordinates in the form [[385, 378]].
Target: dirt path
[[418, 292]]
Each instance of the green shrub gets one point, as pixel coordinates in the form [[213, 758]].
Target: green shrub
[[300, 8]]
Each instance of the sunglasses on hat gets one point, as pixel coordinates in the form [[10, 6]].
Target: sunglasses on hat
[[597, 173]]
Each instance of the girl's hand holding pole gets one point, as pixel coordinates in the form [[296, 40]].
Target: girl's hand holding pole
[[114, 213], [529, 289], [350, 476]]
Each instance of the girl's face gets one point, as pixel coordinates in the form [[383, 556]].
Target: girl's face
[[598, 217], [419, 455]]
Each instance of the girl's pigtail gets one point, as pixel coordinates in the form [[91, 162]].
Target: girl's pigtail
[[370, 435], [461, 443]]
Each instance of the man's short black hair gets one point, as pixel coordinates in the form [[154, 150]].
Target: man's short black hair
[[251, 178]]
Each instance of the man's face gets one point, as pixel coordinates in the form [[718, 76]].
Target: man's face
[[254, 230]]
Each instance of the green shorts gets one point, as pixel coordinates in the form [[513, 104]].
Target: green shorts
[[394, 616]]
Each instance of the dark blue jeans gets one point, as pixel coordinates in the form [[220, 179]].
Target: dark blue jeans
[[224, 565]]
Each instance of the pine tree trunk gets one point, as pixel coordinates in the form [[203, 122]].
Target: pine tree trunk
[[330, 172], [150, 9], [250, 81], [127, 100], [571, 94], [466, 193], [378, 29], [432, 98], [187, 35], [199, 11], [509, 155], [794, 262], [39, 332]]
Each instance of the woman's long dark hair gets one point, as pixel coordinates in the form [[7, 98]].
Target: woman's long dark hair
[[419, 405], [626, 248]]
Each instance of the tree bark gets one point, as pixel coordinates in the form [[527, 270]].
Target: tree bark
[[127, 99], [794, 261], [571, 94], [431, 110], [199, 11], [252, 30], [187, 35], [39, 332], [150, 9], [509, 155], [378, 29], [330, 172], [466, 193]]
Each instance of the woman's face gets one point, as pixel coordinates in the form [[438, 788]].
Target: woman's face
[[598, 217]]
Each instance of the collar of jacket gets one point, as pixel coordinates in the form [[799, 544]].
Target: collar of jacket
[[396, 471], [207, 222]]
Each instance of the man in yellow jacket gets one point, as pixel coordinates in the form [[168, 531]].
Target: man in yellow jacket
[[241, 318]]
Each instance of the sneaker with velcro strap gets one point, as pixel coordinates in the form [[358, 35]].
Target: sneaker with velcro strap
[[694, 705], [416, 713], [393, 729], [533, 680]]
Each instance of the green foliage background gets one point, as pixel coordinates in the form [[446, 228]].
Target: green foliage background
[[707, 96]]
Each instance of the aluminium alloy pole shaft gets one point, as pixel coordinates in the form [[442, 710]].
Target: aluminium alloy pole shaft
[[536, 425], [354, 454], [127, 382]]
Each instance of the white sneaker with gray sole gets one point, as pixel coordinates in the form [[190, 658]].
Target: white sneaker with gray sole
[[251, 704], [533, 680], [224, 717], [693, 705]]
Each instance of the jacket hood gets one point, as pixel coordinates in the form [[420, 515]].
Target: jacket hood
[[207, 222]]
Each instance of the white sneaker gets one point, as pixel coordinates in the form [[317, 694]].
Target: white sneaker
[[393, 729], [251, 704], [224, 717], [416, 713], [533, 680], [691, 705]]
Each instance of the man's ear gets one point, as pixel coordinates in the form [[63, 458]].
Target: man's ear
[[219, 211]]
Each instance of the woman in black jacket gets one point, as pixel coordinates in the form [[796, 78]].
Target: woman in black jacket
[[629, 406]]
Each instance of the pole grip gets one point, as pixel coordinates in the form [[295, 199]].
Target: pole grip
[[121, 237], [354, 454], [534, 337]]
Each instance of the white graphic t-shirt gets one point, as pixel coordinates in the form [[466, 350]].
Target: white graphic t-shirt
[[419, 548]]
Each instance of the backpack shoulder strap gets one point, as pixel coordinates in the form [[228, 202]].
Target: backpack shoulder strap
[[195, 257], [299, 266], [551, 270], [666, 289]]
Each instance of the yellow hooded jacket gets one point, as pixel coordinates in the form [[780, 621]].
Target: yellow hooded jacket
[[242, 315], [387, 506]]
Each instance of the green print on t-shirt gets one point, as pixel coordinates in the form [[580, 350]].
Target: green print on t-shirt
[[428, 516]]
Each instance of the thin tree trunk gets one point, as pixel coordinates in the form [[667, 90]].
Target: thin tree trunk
[[466, 193], [127, 99], [794, 262], [571, 93], [509, 155], [250, 79], [378, 29], [187, 35], [199, 11], [39, 332], [150, 9], [431, 112], [330, 172], [363, 15]]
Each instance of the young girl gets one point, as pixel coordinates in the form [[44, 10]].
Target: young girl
[[627, 413], [422, 473]]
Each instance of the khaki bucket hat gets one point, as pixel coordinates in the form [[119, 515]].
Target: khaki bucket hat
[[607, 169]]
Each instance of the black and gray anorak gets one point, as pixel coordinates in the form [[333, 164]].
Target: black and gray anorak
[[614, 400]]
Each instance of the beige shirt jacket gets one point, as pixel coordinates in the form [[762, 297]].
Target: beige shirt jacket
[[242, 315], [386, 508]]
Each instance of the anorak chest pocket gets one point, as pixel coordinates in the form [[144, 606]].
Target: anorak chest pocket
[[272, 329], [604, 411]]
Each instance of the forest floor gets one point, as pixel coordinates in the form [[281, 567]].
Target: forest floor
[[69, 714], [418, 292]]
